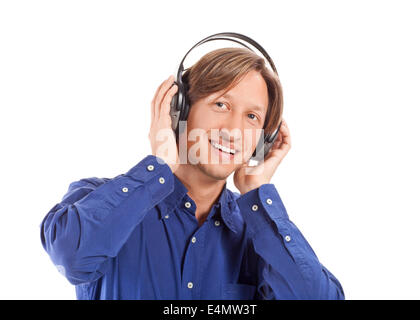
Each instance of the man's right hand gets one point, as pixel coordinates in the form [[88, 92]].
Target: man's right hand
[[161, 135]]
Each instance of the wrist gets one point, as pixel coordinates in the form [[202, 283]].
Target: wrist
[[247, 189], [172, 163], [173, 167]]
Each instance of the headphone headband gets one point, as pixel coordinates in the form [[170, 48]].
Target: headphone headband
[[225, 36]]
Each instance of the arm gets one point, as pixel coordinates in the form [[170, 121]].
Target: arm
[[288, 268], [96, 216]]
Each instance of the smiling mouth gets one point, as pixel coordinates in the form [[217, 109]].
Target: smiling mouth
[[222, 148]]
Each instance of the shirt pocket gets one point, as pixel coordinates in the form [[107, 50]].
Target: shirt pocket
[[237, 291]]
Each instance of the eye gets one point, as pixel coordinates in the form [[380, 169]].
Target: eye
[[254, 117], [220, 103]]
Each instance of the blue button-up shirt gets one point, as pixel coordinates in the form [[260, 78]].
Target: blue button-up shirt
[[136, 236]]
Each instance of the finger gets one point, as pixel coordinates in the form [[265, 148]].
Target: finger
[[277, 141], [152, 112], [285, 131], [286, 143], [157, 90], [280, 135], [277, 145], [155, 97], [284, 148], [282, 142], [166, 85], [166, 103]]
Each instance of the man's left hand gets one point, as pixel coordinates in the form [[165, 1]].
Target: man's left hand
[[247, 178]]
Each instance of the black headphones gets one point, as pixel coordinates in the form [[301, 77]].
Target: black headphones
[[180, 105]]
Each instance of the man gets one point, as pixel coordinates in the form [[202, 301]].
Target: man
[[170, 229]]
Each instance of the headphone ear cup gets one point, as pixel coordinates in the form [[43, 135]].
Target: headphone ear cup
[[175, 108], [256, 155], [268, 145], [269, 141], [179, 108], [184, 107]]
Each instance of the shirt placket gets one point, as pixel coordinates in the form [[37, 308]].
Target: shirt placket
[[191, 277]]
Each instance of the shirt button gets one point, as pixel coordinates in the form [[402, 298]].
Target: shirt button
[[150, 167], [187, 204], [269, 201], [254, 207], [190, 285], [193, 240], [287, 238], [217, 223], [167, 216], [125, 189], [161, 180]]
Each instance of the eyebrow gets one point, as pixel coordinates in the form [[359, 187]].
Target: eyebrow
[[256, 107]]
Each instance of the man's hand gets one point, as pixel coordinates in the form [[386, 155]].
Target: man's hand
[[161, 135], [247, 178]]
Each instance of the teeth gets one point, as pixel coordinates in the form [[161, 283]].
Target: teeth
[[224, 149]]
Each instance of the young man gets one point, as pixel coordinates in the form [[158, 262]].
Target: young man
[[170, 229]]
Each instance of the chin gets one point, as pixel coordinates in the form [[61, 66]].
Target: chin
[[216, 171]]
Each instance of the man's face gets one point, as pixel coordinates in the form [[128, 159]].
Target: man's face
[[234, 121]]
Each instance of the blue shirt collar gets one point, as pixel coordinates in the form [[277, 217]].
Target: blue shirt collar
[[224, 205]]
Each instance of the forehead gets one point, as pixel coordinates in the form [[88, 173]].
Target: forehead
[[250, 92]]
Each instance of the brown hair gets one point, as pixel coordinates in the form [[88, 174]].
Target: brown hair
[[223, 69]]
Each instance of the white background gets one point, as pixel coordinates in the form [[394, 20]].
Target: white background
[[77, 78]]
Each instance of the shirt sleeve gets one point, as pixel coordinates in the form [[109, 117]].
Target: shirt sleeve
[[288, 268], [97, 215]]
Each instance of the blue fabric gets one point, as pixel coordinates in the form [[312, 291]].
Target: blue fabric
[[131, 237]]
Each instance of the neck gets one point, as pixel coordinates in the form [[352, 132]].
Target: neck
[[203, 189]]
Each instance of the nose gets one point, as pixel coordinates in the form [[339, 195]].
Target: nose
[[231, 131]]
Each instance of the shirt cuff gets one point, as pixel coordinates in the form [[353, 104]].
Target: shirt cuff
[[155, 174], [262, 208]]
